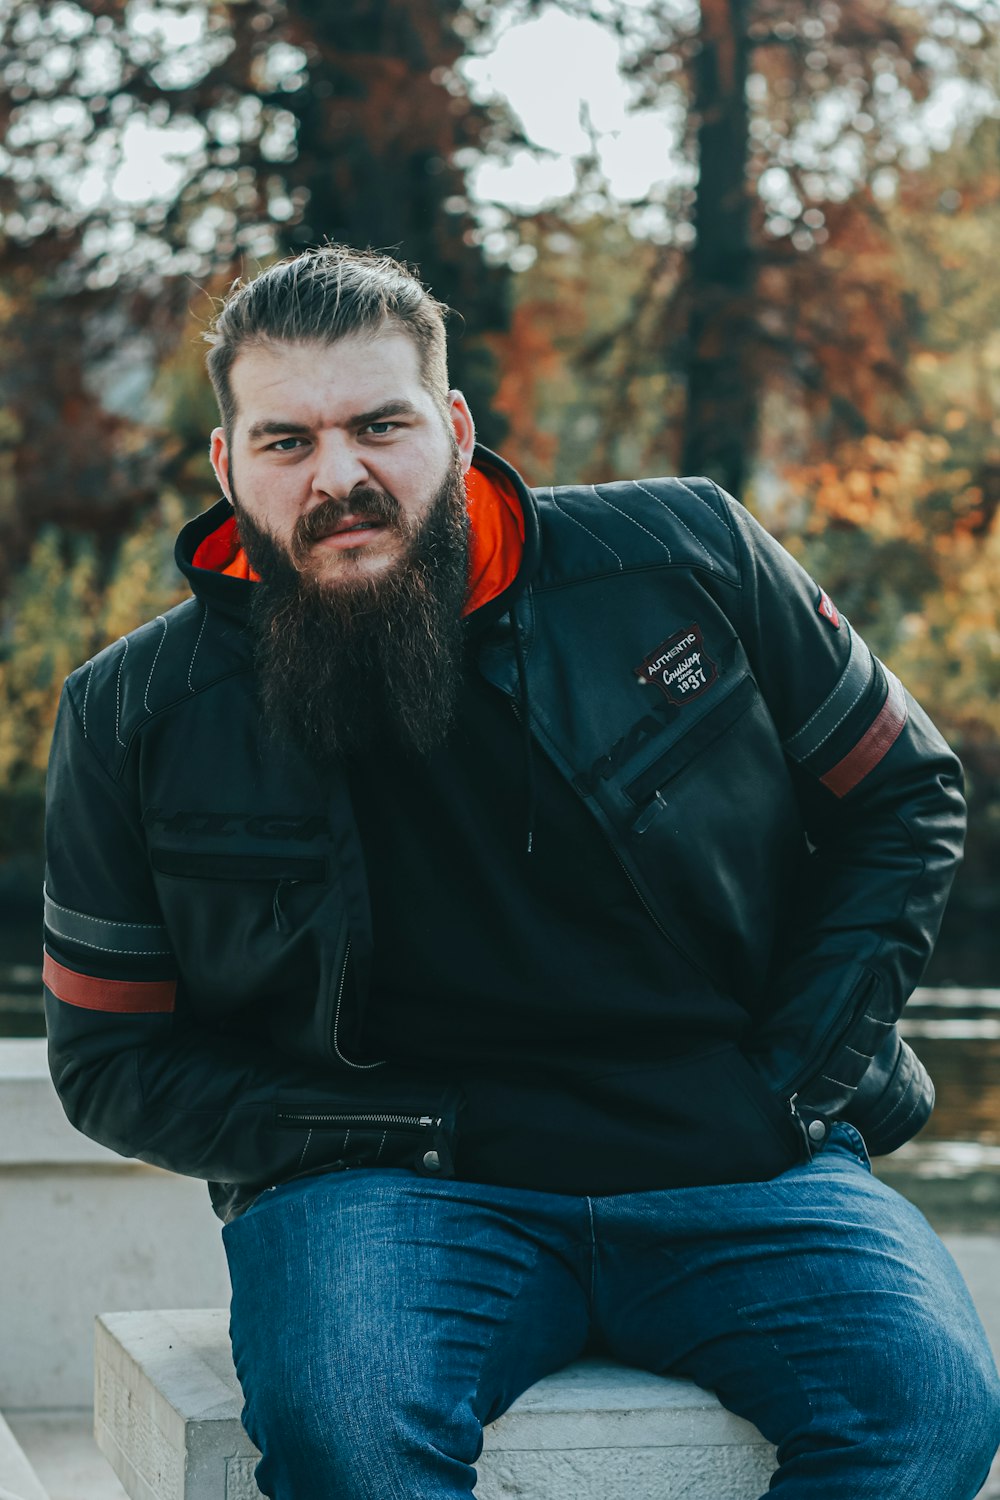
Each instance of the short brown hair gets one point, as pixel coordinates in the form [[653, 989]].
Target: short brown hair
[[319, 297]]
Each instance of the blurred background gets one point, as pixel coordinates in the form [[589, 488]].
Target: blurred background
[[755, 239]]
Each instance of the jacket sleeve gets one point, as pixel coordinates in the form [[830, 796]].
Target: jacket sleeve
[[881, 802], [131, 1068]]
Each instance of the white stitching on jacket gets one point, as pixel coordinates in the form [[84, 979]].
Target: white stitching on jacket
[[104, 921], [569, 517], [830, 696], [99, 948], [145, 696], [660, 501], [625, 513], [832, 693], [86, 695], [911, 1111], [853, 703], [118, 694], [724, 518], [305, 1148], [194, 653]]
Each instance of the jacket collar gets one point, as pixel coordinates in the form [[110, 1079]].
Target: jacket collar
[[232, 594]]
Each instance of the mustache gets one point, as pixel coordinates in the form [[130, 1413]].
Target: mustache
[[341, 669], [374, 505]]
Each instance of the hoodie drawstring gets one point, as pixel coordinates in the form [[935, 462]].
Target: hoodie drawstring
[[524, 716]]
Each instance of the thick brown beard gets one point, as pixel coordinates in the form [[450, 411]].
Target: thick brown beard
[[343, 665]]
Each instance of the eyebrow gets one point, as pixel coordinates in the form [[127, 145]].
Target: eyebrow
[[394, 408]]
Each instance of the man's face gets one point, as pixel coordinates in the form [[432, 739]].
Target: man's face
[[338, 452], [348, 486]]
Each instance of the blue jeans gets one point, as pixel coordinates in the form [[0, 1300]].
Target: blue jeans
[[380, 1319]]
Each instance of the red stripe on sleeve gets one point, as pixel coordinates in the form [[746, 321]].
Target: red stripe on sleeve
[[134, 997], [874, 743]]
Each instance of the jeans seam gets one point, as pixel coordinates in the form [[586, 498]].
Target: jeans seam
[[746, 1317], [593, 1255], [490, 1346], [854, 1134]]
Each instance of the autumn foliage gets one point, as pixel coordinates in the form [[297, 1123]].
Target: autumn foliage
[[813, 323]]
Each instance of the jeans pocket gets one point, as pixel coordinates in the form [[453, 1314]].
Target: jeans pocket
[[848, 1139]]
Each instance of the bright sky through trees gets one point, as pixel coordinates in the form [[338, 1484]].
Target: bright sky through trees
[[559, 74]]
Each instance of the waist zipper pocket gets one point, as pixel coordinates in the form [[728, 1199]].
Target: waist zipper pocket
[[317, 1121], [430, 1157]]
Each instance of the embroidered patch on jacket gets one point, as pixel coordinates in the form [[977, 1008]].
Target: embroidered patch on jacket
[[828, 609], [680, 666]]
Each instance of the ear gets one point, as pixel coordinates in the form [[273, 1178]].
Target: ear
[[219, 454], [463, 427]]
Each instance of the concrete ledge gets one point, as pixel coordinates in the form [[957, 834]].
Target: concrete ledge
[[35, 1129], [167, 1418], [81, 1228], [18, 1480]]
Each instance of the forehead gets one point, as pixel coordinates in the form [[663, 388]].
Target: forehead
[[315, 382]]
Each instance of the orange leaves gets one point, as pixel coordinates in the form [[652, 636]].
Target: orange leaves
[[530, 360], [907, 488], [916, 519]]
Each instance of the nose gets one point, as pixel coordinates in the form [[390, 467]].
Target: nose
[[339, 467]]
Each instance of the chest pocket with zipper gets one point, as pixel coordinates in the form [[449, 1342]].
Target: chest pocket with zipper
[[647, 790]]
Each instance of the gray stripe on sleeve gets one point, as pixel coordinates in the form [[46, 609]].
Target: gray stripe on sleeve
[[105, 936], [851, 687]]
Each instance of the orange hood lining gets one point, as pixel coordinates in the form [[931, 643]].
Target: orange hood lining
[[496, 541]]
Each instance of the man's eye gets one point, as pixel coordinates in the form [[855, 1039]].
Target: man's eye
[[280, 445], [380, 429]]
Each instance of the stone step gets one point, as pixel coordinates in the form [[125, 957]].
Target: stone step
[[167, 1418], [18, 1480]]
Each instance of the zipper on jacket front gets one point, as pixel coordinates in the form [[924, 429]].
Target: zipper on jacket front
[[424, 1122], [336, 1020], [808, 1144], [656, 921]]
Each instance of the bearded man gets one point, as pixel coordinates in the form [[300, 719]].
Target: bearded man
[[505, 899]]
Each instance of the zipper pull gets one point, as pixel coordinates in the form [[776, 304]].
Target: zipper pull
[[648, 813], [812, 1134], [800, 1127], [281, 922]]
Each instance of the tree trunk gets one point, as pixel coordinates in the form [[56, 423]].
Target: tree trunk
[[721, 416], [376, 140]]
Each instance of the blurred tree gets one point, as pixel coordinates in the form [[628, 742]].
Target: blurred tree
[[563, 375], [63, 607], [78, 444], [277, 124], [899, 517], [792, 109]]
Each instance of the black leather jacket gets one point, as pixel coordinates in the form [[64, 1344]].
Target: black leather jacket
[[786, 813]]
